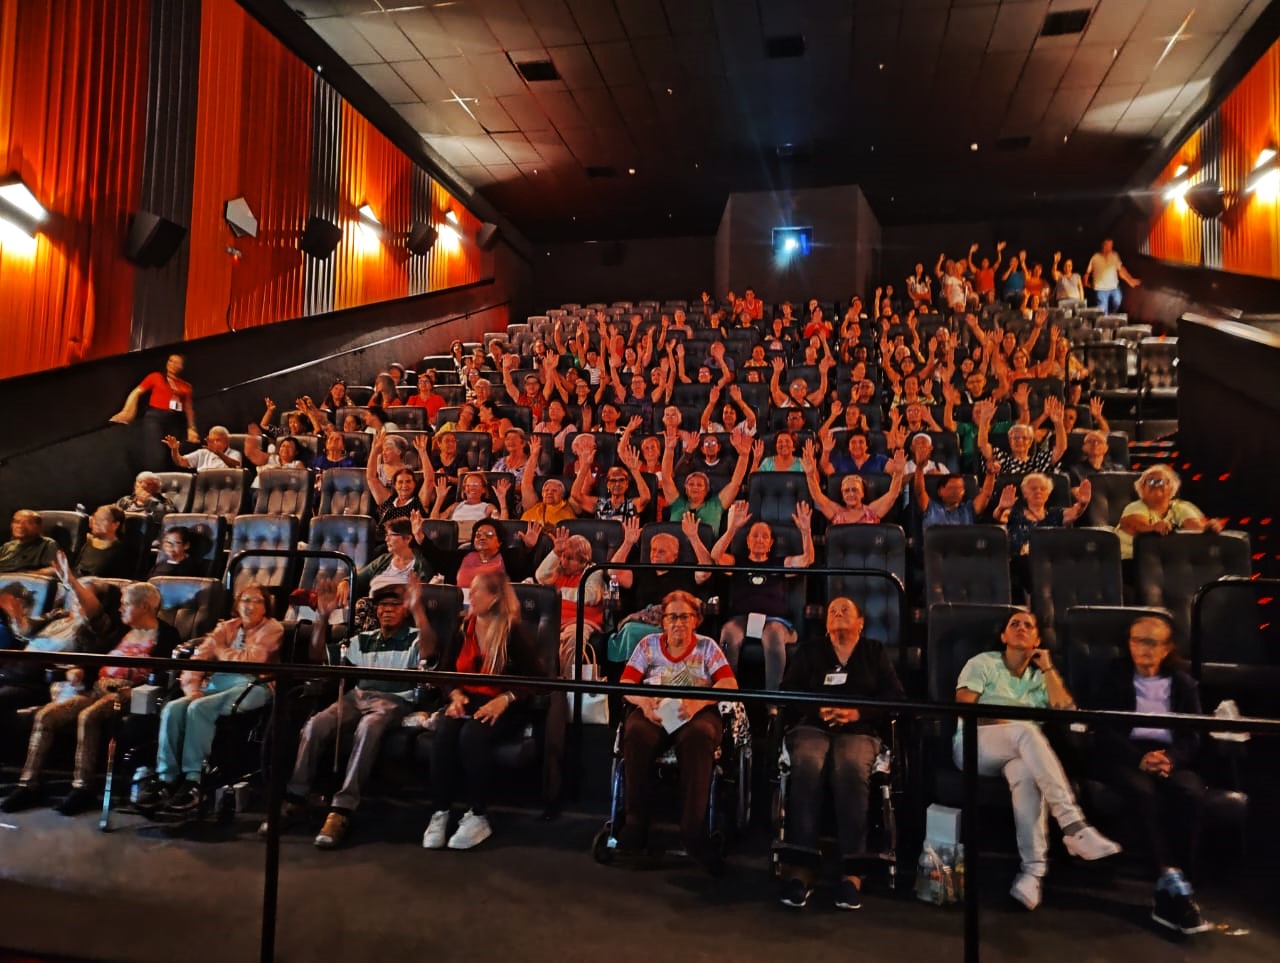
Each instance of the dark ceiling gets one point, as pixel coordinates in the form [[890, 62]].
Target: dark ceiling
[[703, 97]]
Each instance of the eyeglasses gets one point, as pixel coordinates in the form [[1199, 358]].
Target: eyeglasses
[[679, 617], [1029, 624], [482, 533], [1155, 483]]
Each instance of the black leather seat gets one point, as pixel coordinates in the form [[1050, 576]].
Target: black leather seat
[[475, 448], [966, 563], [1158, 367], [773, 495], [357, 444], [191, 605], [605, 535], [283, 491], [881, 547], [177, 485], [43, 589], [68, 529], [344, 491], [1071, 566], [206, 534], [1112, 491], [271, 532], [1170, 569], [1108, 363], [409, 417], [352, 535], [219, 491], [1231, 652]]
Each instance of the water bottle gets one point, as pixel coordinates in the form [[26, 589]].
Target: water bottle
[[925, 872], [611, 597]]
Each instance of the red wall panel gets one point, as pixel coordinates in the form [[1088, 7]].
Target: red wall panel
[[73, 92]]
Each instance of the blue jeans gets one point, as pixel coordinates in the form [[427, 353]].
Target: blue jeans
[[187, 725], [1108, 300]]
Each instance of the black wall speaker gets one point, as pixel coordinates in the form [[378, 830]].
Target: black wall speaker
[[487, 236], [1206, 199], [421, 238], [320, 237], [152, 240]]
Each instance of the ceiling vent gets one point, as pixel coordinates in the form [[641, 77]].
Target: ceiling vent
[[1013, 143], [1061, 23], [596, 171], [780, 48], [536, 70]]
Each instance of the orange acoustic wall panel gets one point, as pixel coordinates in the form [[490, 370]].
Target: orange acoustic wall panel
[[455, 259], [1248, 122], [73, 94], [253, 139]]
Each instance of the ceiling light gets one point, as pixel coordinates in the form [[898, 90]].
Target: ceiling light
[[19, 207], [882, 66], [240, 219], [1264, 179], [973, 146], [631, 170], [670, 91]]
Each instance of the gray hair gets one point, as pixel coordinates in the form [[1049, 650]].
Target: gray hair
[[1168, 474], [142, 593]]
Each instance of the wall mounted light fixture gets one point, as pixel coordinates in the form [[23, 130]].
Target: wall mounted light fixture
[[19, 209], [1264, 179]]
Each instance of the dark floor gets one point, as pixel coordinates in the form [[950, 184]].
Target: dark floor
[[532, 892]]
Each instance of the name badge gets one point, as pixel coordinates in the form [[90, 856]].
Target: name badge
[[175, 404], [835, 678]]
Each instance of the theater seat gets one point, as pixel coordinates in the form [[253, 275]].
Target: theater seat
[[1170, 569], [270, 532], [475, 448], [773, 495], [43, 589], [218, 491], [605, 535], [1069, 567], [206, 534], [1231, 652], [68, 529], [351, 535], [966, 563], [1112, 491], [283, 491], [344, 491], [1094, 635], [191, 605], [880, 547], [177, 486]]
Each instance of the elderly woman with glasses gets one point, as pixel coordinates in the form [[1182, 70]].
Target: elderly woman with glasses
[[563, 570], [1023, 674], [676, 656], [614, 504], [1159, 510], [187, 724]]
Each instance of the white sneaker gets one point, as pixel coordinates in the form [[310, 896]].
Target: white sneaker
[[1090, 844], [472, 831], [1026, 890], [437, 831]]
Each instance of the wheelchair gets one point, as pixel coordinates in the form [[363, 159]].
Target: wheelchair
[[886, 785], [729, 810]]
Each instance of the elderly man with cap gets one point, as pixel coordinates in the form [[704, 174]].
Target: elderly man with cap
[[147, 499], [403, 640], [29, 550]]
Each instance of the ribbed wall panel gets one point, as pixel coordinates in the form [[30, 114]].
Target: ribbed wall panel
[[419, 212], [73, 91], [457, 263], [326, 154]]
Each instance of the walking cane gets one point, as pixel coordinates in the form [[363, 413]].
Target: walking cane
[[342, 695]]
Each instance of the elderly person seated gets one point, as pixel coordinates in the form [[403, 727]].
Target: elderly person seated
[[402, 640], [1024, 675], [951, 507], [549, 510], [105, 554], [843, 742], [1030, 512], [1151, 768], [470, 508], [614, 504], [763, 597], [476, 716], [216, 452], [187, 724], [676, 656], [487, 554], [563, 570], [1159, 510], [853, 489], [29, 549], [1094, 457], [698, 497], [646, 584], [88, 710], [174, 557], [1022, 456], [147, 499], [403, 561]]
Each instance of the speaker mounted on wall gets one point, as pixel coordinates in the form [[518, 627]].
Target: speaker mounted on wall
[[320, 237], [422, 238], [487, 236], [152, 239], [1206, 199]]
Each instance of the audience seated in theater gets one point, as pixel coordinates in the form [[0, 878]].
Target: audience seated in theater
[[470, 508], [614, 504], [698, 497], [1023, 674], [147, 499], [494, 642], [762, 593], [707, 455], [583, 452], [784, 457], [404, 559], [444, 458], [187, 724], [488, 554], [922, 456], [334, 455], [1159, 510], [1022, 456], [676, 656], [384, 392], [1153, 768], [28, 550], [552, 508], [426, 396], [387, 452], [404, 497], [563, 569], [1094, 457], [1032, 511], [951, 507], [174, 557], [336, 397], [306, 419], [556, 424], [216, 452], [403, 639], [853, 510], [89, 709], [798, 394], [843, 743], [105, 554], [515, 455], [89, 623]]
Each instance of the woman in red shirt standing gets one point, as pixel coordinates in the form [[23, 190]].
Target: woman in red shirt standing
[[494, 642], [169, 402]]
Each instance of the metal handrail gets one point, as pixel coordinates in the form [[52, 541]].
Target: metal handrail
[[1197, 610]]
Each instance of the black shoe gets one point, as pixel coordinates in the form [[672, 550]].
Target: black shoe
[[710, 855], [795, 893], [848, 895], [153, 794], [186, 800], [80, 800], [1176, 908], [24, 797]]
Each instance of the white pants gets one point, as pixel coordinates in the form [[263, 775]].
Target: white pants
[[1039, 786]]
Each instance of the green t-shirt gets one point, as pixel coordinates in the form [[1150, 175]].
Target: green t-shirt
[[711, 511], [987, 675]]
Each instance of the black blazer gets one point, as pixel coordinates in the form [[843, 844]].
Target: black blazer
[[1117, 692]]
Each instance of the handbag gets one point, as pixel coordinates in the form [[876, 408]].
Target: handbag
[[595, 705]]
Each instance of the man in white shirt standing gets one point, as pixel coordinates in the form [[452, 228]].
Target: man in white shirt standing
[[1104, 274]]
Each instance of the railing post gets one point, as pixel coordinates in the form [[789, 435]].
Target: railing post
[[969, 836], [275, 792]]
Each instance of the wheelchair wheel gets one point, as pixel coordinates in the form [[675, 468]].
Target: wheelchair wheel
[[600, 849], [743, 792]]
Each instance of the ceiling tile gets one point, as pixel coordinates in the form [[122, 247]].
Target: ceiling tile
[[458, 72], [346, 41], [424, 31], [384, 79], [1018, 24], [637, 102], [1089, 66], [1216, 17], [1162, 19], [597, 21], [699, 55], [560, 106], [504, 173], [490, 115], [518, 148], [617, 63], [554, 23], [690, 16], [453, 150], [598, 107], [429, 119], [659, 61], [642, 18], [1108, 106], [1114, 20], [524, 110], [385, 37], [485, 149], [508, 24], [497, 74], [422, 79], [1136, 61], [969, 28], [466, 27], [1045, 67], [576, 65]]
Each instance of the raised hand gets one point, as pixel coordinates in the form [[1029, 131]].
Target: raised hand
[[413, 592], [1084, 493], [803, 517], [1008, 495], [741, 441], [983, 412], [418, 525], [422, 445], [502, 488], [631, 531], [836, 408], [560, 541], [442, 488], [635, 422], [532, 532], [739, 514], [1095, 408], [778, 365], [689, 525], [171, 442], [897, 465], [271, 405], [1054, 409], [757, 450]]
